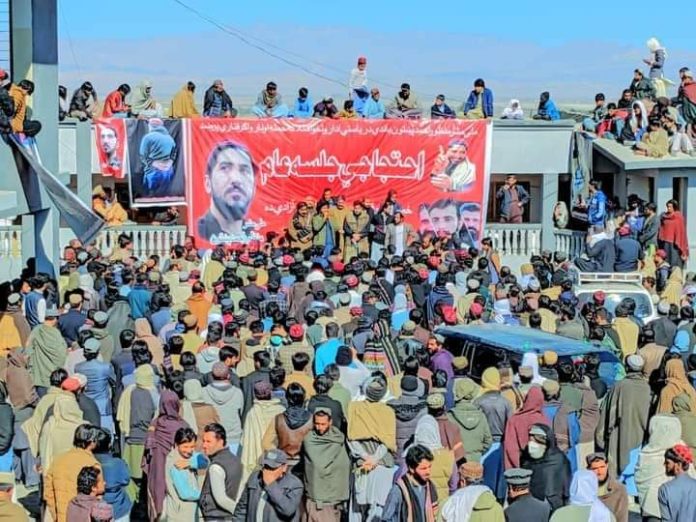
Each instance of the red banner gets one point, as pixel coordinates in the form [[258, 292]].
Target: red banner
[[111, 138], [247, 176]]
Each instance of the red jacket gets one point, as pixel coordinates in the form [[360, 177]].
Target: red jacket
[[114, 104]]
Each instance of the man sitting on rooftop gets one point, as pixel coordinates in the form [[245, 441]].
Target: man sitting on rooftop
[[374, 107], [183, 104], [83, 103], [348, 111], [598, 114], [547, 108], [513, 111], [115, 103], [217, 103], [655, 142], [405, 104], [479, 104], [641, 87], [303, 105], [440, 109], [326, 109], [270, 104], [678, 140], [687, 98], [626, 100]]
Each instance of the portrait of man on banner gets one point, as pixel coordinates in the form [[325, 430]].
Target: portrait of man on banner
[[454, 223], [110, 135], [453, 172], [230, 183], [157, 167]]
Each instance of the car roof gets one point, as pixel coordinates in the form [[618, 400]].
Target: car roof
[[520, 339], [611, 287]]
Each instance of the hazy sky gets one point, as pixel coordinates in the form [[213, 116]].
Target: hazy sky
[[573, 49]]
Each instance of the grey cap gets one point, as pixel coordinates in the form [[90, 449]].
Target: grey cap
[[537, 431], [183, 276], [101, 318], [52, 313], [14, 298], [635, 362], [663, 307], [92, 345], [518, 476], [274, 458], [439, 338], [408, 326], [326, 411]]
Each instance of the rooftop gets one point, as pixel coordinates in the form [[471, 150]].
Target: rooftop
[[623, 156]]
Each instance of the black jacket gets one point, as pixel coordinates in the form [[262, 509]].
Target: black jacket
[[527, 508], [209, 98], [603, 255], [264, 374], [283, 498], [628, 252], [6, 427], [550, 474]]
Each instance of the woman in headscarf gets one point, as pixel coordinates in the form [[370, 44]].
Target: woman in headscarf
[[444, 467], [158, 444], [196, 412], [665, 432], [683, 410], [676, 383], [531, 360], [136, 409], [517, 429], [584, 501], [143, 332], [58, 431]]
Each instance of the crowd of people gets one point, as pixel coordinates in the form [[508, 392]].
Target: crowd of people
[[274, 382], [645, 117]]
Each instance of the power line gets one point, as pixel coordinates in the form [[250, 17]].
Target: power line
[[262, 46], [70, 42]]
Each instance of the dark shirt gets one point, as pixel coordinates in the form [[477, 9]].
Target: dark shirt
[[70, 323], [527, 508]]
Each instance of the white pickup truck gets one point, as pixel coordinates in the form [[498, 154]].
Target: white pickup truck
[[617, 287]]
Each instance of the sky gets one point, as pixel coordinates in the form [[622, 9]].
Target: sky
[[572, 48]]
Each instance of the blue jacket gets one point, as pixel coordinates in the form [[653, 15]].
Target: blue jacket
[[117, 477], [597, 209], [100, 378], [139, 301], [374, 110], [628, 253], [487, 104], [303, 108], [550, 110]]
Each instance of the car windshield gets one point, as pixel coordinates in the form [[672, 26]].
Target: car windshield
[[612, 299]]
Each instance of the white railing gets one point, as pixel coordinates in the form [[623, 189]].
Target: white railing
[[515, 240], [147, 239], [571, 242]]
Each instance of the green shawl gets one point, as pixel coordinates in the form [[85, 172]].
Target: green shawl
[[327, 466], [47, 352], [682, 410]]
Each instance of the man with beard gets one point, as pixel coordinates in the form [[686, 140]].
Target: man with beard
[[676, 497], [511, 200], [447, 221], [230, 182], [326, 469], [611, 492], [453, 172], [413, 496], [108, 143], [158, 151]]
